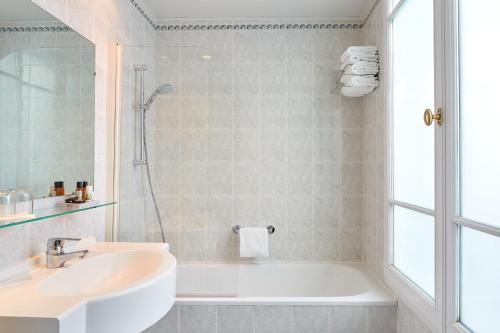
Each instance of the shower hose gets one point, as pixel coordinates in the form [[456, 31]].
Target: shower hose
[[148, 172]]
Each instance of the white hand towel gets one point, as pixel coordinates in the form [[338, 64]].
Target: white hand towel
[[357, 58], [254, 242], [359, 50], [362, 68], [360, 63], [356, 91], [346, 79], [363, 81]]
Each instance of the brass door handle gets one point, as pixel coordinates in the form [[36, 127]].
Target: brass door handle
[[429, 117]]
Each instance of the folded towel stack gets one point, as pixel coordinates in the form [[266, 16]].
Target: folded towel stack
[[366, 53], [360, 65]]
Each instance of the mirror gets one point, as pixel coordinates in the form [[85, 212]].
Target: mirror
[[46, 101]]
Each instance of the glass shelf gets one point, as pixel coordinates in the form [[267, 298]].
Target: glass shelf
[[47, 213]]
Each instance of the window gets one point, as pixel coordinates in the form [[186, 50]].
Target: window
[[477, 213], [413, 163], [479, 281], [435, 47]]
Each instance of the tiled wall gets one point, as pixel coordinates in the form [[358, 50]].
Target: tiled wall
[[277, 319], [252, 135], [46, 109], [23, 241], [103, 23], [138, 221], [374, 150]]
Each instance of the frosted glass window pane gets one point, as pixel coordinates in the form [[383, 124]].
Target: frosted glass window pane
[[479, 111], [413, 92], [480, 281], [414, 247]]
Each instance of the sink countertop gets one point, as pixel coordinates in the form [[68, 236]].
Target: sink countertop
[[23, 290]]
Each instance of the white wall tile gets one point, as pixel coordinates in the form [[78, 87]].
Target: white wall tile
[[198, 319], [311, 319], [235, 319], [271, 134], [273, 319]]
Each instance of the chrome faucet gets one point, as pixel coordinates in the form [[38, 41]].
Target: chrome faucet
[[56, 257]]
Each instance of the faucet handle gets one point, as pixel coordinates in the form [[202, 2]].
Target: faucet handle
[[56, 245]]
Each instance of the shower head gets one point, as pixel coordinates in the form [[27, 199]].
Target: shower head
[[161, 90]]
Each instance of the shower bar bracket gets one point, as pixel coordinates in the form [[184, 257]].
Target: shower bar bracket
[[140, 69]]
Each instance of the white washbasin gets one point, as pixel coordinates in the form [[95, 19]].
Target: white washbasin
[[119, 287], [104, 273]]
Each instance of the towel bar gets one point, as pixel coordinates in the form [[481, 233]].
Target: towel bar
[[270, 229]]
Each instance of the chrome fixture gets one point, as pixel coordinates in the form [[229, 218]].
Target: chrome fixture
[[140, 69], [270, 229], [142, 107], [161, 90], [56, 257]]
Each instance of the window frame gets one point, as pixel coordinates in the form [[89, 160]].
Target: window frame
[[430, 310], [454, 220]]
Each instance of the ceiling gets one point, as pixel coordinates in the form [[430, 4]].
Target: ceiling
[[226, 9], [22, 10]]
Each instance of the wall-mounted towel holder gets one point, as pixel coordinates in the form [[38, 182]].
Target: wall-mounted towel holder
[[270, 229], [339, 84]]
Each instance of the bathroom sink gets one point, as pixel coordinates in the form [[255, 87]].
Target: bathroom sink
[[118, 287], [104, 273]]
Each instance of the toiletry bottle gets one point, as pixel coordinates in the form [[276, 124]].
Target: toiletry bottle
[[84, 190], [52, 191], [59, 188], [79, 191], [90, 192]]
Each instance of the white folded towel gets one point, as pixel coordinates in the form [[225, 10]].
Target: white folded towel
[[356, 91], [357, 58], [254, 242], [362, 81], [358, 50], [362, 68], [346, 78]]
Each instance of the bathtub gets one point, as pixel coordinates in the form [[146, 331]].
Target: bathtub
[[290, 284], [278, 298]]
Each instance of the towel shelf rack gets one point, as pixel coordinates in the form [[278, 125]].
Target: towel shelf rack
[[270, 229], [339, 84]]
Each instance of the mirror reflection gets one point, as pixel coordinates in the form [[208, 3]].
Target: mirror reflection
[[46, 103]]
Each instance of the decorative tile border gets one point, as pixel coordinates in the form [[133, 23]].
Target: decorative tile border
[[203, 27], [288, 26], [268, 26], [143, 13], [35, 29]]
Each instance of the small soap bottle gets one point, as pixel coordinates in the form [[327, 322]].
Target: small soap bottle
[[84, 190], [59, 188], [90, 192], [79, 191]]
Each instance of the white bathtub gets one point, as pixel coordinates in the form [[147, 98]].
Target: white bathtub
[[319, 298], [279, 284]]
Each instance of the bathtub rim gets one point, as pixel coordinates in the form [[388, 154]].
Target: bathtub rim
[[378, 295], [283, 301]]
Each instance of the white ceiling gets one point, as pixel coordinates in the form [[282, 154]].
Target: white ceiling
[[22, 10], [225, 9]]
